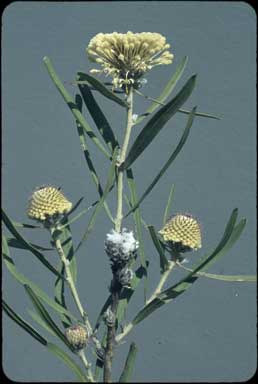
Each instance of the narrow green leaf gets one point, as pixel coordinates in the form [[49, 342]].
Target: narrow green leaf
[[45, 315], [230, 278], [60, 297], [41, 322], [79, 215], [168, 206], [88, 159], [138, 223], [157, 122], [76, 205], [199, 114], [168, 162], [24, 225], [57, 351], [99, 86], [22, 323], [9, 224], [14, 243], [73, 107], [129, 364], [158, 245], [24, 280], [109, 183], [98, 117], [167, 90]]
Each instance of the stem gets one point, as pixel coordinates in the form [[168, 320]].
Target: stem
[[119, 214], [86, 365], [162, 281], [115, 286]]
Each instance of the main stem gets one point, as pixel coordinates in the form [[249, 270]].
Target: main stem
[[115, 286]]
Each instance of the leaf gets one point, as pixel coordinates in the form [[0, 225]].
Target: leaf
[[24, 280], [88, 159], [22, 323], [45, 316], [109, 183], [79, 215], [24, 225], [14, 243], [57, 351], [158, 245], [99, 86], [98, 117], [73, 107], [168, 206], [230, 278], [76, 205], [168, 162], [9, 224], [167, 90], [137, 219], [42, 323], [129, 364], [157, 122]]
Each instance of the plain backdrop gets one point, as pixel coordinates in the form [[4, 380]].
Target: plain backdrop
[[209, 333]]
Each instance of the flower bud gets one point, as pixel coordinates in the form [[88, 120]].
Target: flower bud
[[77, 336]]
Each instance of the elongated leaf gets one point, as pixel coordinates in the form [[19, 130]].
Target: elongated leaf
[[88, 159], [158, 245], [110, 181], [45, 315], [22, 323], [229, 237], [99, 86], [9, 224], [230, 278], [39, 320], [76, 205], [138, 223], [157, 122], [168, 206], [98, 117], [129, 364], [57, 351], [14, 243], [24, 280], [167, 90], [25, 225], [168, 162], [73, 107], [75, 218], [60, 297]]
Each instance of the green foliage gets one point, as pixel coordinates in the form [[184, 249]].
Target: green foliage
[[128, 368]]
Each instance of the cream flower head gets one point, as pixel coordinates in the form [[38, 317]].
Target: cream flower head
[[127, 56], [47, 201], [183, 230]]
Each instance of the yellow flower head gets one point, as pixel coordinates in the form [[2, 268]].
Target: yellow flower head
[[47, 201], [183, 230], [77, 336], [127, 56]]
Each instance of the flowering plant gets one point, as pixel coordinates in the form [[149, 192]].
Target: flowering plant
[[126, 58]]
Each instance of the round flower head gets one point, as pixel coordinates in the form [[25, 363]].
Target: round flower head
[[46, 202], [127, 56], [77, 336], [184, 231]]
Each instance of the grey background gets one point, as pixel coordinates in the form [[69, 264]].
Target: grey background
[[209, 333]]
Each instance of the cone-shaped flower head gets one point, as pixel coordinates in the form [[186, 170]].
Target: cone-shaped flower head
[[127, 56], [77, 336], [183, 230], [47, 201]]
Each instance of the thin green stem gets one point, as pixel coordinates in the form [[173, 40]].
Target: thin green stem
[[87, 365]]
